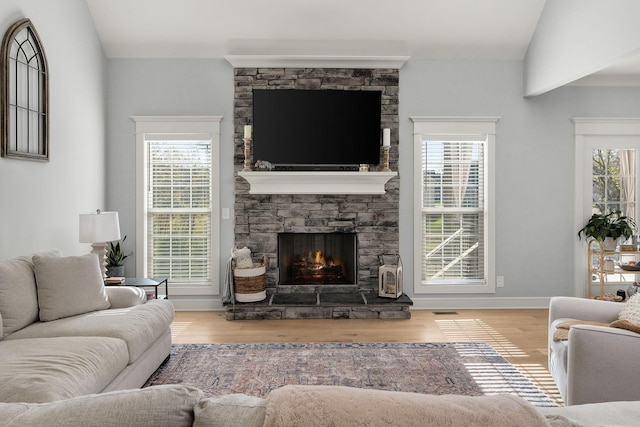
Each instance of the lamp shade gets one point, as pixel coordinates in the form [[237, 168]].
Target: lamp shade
[[99, 227]]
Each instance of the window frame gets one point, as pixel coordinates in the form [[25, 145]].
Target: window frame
[[590, 133], [427, 128], [154, 127]]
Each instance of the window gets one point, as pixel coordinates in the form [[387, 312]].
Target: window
[[607, 156], [453, 215], [179, 210], [24, 94], [613, 176], [178, 193]]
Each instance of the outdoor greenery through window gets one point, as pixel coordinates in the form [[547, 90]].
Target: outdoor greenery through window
[[614, 181], [453, 211], [179, 210]]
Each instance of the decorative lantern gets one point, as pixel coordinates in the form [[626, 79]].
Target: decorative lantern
[[390, 279]]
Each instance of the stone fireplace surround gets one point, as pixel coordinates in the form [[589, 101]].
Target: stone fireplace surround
[[374, 218]]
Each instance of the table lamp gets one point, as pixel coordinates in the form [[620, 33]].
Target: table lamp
[[99, 228]]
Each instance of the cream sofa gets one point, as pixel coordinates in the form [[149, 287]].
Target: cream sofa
[[596, 363], [309, 406], [64, 334]]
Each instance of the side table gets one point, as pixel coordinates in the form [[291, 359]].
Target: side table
[[139, 282]]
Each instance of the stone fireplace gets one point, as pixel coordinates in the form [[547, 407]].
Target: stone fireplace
[[370, 220]]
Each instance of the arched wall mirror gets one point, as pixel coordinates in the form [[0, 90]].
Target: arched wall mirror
[[24, 94]]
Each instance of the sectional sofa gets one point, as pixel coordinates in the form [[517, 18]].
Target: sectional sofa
[[309, 406], [64, 334]]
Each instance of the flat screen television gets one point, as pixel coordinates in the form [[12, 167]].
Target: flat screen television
[[316, 129]]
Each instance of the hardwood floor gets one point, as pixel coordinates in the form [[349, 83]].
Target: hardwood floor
[[520, 336]]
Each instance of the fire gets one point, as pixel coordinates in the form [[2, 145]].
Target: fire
[[316, 267], [317, 261]]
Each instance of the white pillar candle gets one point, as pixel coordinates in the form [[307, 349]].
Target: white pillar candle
[[247, 131], [386, 137]]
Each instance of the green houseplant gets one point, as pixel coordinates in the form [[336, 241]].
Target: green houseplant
[[612, 225], [115, 258]]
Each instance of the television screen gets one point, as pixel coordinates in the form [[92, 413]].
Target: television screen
[[316, 129]]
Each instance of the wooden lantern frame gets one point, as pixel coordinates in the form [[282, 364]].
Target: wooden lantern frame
[[390, 279]]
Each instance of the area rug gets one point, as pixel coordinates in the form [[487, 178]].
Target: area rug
[[471, 369]]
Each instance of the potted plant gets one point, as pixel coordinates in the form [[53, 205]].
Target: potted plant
[[115, 258], [608, 228]]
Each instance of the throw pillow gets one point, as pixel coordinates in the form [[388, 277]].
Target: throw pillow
[[629, 316], [68, 286], [631, 310], [242, 257], [18, 294]]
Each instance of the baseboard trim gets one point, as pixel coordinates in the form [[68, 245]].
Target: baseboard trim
[[197, 304], [472, 303], [419, 303]]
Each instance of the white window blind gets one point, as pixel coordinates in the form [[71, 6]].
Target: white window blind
[[453, 212], [179, 210]]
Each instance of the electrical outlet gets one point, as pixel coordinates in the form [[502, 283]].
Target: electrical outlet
[[500, 281], [225, 213]]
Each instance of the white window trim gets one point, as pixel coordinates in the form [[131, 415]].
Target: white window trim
[[198, 126], [584, 128], [433, 128]]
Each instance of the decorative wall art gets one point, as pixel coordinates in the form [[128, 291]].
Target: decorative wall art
[[24, 93]]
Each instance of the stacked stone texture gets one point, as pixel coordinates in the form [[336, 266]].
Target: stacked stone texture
[[258, 218]]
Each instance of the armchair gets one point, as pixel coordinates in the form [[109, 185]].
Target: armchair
[[596, 363]]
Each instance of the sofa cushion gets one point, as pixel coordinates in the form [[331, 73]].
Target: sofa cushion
[[230, 410], [18, 295], [49, 369], [18, 298], [138, 326], [597, 414], [68, 286], [337, 405], [158, 406]]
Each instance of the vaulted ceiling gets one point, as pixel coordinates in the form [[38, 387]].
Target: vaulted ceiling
[[435, 29]]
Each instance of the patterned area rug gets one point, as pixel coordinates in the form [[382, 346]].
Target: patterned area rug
[[470, 369]]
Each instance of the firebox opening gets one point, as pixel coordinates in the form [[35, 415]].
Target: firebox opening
[[317, 258]]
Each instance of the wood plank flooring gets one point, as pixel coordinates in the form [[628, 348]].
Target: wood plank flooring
[[520, 336]]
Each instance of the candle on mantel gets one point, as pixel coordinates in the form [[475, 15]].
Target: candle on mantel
[[247, 131], [386, 137]]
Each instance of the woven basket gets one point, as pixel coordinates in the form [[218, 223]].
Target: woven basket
[[250, 283]]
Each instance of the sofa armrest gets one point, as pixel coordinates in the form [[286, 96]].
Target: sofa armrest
[[601, 365], [125, 296], [583, 309]]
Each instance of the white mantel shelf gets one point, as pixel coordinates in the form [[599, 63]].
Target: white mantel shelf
[[306, 182], [316, 61]]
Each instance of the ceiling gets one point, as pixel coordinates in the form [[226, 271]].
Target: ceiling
[[436, 29]]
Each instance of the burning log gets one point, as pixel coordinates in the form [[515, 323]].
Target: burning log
[[315, 268]]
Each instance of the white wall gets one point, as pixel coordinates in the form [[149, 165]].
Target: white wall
[[156, 87], [535, 233], [40, 202], [535, 236]]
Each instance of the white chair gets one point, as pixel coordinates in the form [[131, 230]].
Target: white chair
[[596, 363]]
